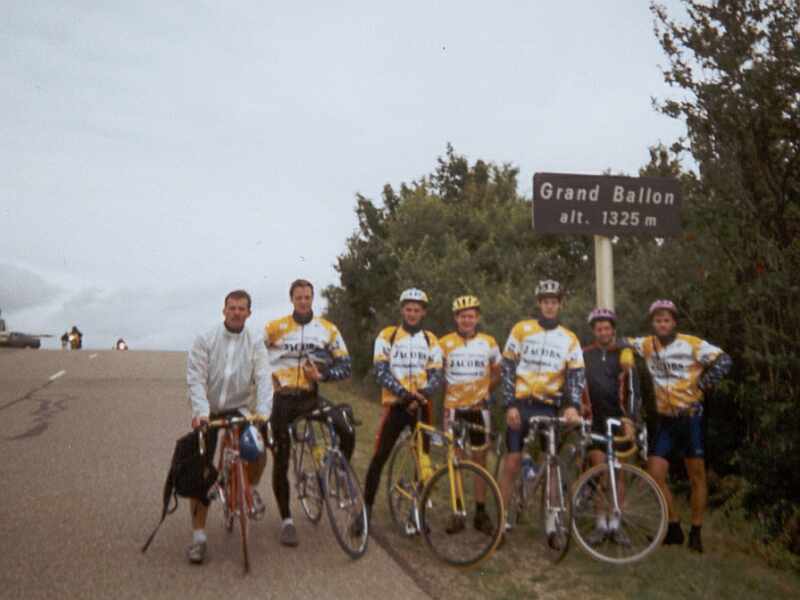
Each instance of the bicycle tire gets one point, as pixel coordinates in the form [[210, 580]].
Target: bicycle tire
[[643, 517], [307, 480], [469, 546], [344, 503], [402, 485], [242, 508]]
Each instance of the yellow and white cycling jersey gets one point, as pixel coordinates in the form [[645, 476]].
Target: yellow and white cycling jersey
[[543, 357], [468, 368], [409, 357], [676, 369], [288, 342]]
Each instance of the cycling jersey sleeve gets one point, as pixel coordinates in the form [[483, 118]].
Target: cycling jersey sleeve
[[508, 370], [263, 378], [435, 381], [576, 381], [636, 343], [385, 379], [340, 369], [434, 368], [714, 374], [197, 378], [633, 408]]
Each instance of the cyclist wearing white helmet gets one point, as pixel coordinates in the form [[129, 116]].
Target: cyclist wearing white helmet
[[612, 391], [408, 367], [304, 350], [542, 372], [221, 367], [683, 367], [471, 368]]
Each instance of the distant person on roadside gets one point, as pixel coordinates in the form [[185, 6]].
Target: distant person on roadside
[[684, 368], [222, 365], [75, 338], [65, 340], [304, 351], [120, 345]]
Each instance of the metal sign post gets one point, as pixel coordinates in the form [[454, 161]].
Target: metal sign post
[[604, 271]]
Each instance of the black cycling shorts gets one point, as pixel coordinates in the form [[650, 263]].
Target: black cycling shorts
[[475, 416]]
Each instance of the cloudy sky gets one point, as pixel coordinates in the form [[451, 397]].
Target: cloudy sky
[[156, 155]]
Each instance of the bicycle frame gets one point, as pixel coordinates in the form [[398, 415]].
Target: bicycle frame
[[611, 459], [551, 454]]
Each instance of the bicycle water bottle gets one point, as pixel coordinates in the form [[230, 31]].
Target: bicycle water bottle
[[528, 467]]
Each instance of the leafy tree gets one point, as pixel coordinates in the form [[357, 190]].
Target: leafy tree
[[737, 65]]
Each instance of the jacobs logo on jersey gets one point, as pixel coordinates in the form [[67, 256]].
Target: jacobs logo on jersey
[[409, 355]]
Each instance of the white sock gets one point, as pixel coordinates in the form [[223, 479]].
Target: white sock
[[287, 521], [613, 523], [550, 523], [199, 536], [602, 524]]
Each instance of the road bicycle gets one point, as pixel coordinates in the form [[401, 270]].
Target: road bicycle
[[630, 504], [540, 498], [436, 499], [232, 487], [323, 475]]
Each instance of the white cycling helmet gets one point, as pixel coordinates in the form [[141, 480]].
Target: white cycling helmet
[[549, 287], [413, 295]]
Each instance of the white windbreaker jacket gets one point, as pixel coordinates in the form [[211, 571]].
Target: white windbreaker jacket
[[222, 366]]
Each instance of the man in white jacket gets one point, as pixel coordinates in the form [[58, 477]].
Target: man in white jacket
[[222, 365]]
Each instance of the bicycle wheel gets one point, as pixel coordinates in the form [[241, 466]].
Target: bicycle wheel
[[447, 529], [344, 503], [402, 486], [551, 518], [241, 508], [642, 519], [307, 480]]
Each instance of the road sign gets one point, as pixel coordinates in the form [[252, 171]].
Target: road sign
[[606, 205]]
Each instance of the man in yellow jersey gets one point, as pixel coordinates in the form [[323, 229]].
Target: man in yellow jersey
[[408, 367], [471, 367], [683, 367], [542, 372], [304, 350]]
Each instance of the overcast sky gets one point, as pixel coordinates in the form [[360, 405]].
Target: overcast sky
[[156, 155]]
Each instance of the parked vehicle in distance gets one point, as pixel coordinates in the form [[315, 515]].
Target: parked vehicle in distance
[[15, 339]]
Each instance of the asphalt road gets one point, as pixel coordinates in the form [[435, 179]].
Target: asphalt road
[[84, 457]]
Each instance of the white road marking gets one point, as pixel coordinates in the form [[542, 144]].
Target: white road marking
[[55, 376], [91, 356]]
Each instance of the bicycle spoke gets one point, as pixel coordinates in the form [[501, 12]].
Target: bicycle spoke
[[402, 487], [450, 525], [345, 506], [642, 519]]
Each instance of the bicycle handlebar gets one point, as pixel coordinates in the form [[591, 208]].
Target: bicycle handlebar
[[229, 422], [536, 421]]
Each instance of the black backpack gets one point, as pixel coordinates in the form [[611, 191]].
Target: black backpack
[[190, 475]]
